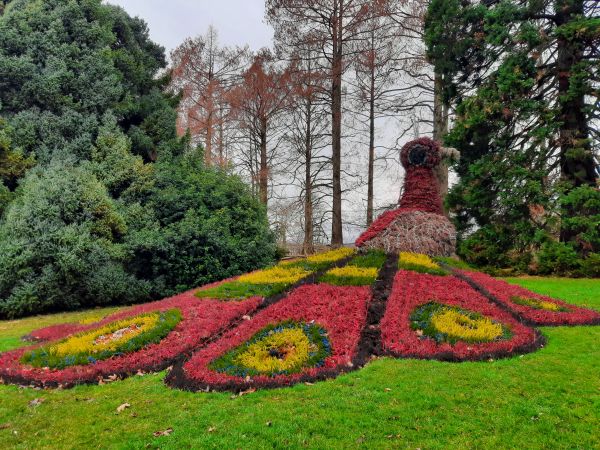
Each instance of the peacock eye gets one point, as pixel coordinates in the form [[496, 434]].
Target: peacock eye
[[417, 156], [284, 348]]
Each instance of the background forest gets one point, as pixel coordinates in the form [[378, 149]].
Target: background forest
[[124, 177]]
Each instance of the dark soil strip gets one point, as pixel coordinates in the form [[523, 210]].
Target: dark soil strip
[[483, 291], [180, 359], [369, 343], [370, 340]]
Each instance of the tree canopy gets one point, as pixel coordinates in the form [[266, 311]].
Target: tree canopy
[[64, 64], [523, 78], [100, 201]]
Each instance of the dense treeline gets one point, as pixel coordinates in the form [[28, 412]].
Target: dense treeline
[[117, 172], [101, 201], [523, 79]]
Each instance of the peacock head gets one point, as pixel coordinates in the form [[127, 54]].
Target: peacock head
[[422, 152]]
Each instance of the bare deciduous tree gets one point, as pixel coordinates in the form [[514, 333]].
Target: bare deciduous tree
[[256, 102], [332, 26], [204, 72]]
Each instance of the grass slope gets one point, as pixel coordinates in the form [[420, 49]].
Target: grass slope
[[548, 399]]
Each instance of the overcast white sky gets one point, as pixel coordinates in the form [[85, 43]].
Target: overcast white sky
[[239, 22]]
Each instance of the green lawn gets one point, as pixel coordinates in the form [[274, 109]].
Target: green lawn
[[548, 399]]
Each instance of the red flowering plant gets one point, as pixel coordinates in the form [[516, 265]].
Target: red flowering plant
[[534, 308], [443, 318], [311, 334], [62, 330], [54, 332], [200, 321]]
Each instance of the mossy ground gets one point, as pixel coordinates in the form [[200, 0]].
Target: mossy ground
[[547, 399]]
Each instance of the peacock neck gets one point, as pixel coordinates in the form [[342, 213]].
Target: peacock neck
[[421, 192]]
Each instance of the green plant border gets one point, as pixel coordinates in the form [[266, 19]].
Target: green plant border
[[535, 304], [422, 269], [372, 259], [420, 319], [42, 357], [317, 336]]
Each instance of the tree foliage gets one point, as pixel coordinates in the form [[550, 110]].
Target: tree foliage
[[65, 63], [61, 246], [117, 209], [13, 165], [197, 225], [523, 78]]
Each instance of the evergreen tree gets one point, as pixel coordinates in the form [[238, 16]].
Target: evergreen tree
[[523, 77], [13, 165], [118, 209], [65, 63]]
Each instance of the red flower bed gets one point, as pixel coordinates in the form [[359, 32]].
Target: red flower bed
[[60, 331], [504, 293], [421, 191], [412, 290], [340, 311], [202, 319], [54, 332]]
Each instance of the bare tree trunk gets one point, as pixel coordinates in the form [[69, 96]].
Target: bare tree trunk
[[440, 129], [337, 234], [209, 138], [576, 157], [221, 137], [308, 246], [263, 176], [371, 176]]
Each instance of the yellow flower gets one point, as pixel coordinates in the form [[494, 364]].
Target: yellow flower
[[278, 352], [275, 275], [456, 324], [92, 319], [538, 304], [108, 337], [548, 306], [353, 271], [418, 259], [331, 256]]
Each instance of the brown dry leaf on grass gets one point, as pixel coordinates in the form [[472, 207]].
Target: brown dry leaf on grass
[[36, 402], [123, 407], [166, 432]]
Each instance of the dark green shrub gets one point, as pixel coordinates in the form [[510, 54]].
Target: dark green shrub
[[201, 225], [558, 258], [61, 246], [485, 247], [106, 226], [590, 266]]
